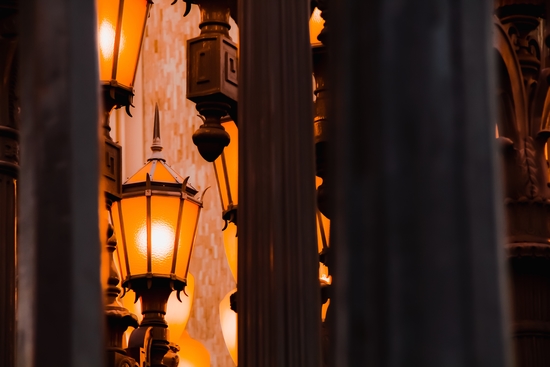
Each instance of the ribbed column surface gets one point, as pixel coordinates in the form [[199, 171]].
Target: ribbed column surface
[[417, 232], [60, 302], [279, 295], [7, 270]]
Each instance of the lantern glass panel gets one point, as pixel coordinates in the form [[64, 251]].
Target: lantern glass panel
[[164, 221], [107, 19], [231, 244], [190, 217], [119, 251], [133, 23], [227, 168], [134, 215]]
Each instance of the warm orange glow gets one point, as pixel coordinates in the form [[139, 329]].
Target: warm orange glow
[[106, 39], [192, 352], [162, 239], [316, 24], [231, 244], [496, 131], [164, 221], [324, 310], [323, 224], [178, 313], [227, 168], [228, 320], [134, 16], [133, 23]]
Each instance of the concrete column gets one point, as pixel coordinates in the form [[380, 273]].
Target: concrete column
[[60, 315], [279, 296], [417, 227], [9, 170]]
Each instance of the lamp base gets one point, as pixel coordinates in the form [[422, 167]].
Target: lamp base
[[149, 342]]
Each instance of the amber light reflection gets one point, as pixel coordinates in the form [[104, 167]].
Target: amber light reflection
[[107, 40], [162, 240]]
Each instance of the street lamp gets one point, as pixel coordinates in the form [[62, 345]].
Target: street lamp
[[156, 223], [120, 30]]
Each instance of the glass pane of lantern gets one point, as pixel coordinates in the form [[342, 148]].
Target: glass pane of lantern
[[120, 259], [231, 153], [229, 159], [323, 231], [164, 216], [134, 214], [133, 22], [189, 219], [231, 244], [107, 17]]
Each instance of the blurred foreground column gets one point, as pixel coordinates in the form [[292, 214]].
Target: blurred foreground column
[[279, 296], [418, 277], [9, 171], [60, 316]]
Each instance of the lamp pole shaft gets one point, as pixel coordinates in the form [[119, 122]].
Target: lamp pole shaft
[[279, 303], [9, 170]]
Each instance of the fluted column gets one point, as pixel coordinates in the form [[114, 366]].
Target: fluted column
[[416, 232], [9, 170], [60, 302], [278, 296]]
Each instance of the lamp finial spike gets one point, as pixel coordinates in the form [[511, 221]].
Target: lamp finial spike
[[157, 145]]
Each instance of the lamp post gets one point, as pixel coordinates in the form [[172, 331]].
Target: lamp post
[[120, 29], [156, 222]]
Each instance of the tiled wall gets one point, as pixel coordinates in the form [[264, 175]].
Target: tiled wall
[[162, 79]]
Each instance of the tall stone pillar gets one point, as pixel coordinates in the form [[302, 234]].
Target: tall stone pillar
[[416, 233], [278, 298], [9, 170], [60, 310]]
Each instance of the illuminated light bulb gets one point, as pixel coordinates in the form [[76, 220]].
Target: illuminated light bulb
[[106, 39], [228, 320], [162, 240]]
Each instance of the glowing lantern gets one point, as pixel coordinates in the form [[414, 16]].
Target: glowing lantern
[[121, 26]]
